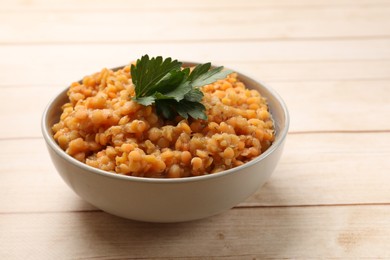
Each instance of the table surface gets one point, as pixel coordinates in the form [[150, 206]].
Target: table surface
[[329, 59]]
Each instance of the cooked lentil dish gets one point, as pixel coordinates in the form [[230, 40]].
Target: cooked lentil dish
[[103, 127]]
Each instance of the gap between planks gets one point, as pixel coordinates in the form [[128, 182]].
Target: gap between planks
[[339, 132], [234, 208], [268, 82], [338, 23], [324, 169], [200, 40], [290, 133], [283, 234], [166, 8]]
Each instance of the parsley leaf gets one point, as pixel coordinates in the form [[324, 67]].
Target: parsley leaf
[[193, 109], [172, 89], [148, 73], [209, 77], [194, 95]]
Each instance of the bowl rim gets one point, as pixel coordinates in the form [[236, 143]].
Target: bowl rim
[[46, 132]]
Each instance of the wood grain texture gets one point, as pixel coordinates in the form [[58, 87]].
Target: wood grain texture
[[329, 60], [86, 5], [316, 169], [298, 233], [195, 25], [216, 51], [270, 60], [66, 69]]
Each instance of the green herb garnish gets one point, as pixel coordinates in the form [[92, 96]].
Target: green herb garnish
[[173, 90]]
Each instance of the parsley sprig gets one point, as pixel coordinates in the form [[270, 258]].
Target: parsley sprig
[[170, 88]]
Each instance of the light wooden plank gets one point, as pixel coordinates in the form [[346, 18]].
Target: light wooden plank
[[62, 73], [41, 188], [316, 169], [313, 106], [194, 25], [86, 5], [294, 233], [291, 71], [275, 60], [325, 169], [22, 109], [329, 106]]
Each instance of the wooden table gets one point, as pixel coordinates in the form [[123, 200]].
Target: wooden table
[[329, 59]]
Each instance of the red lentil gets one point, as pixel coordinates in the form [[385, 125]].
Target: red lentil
[[102, 127]]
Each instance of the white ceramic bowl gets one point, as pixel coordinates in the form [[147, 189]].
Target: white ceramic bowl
[[168, 200]]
